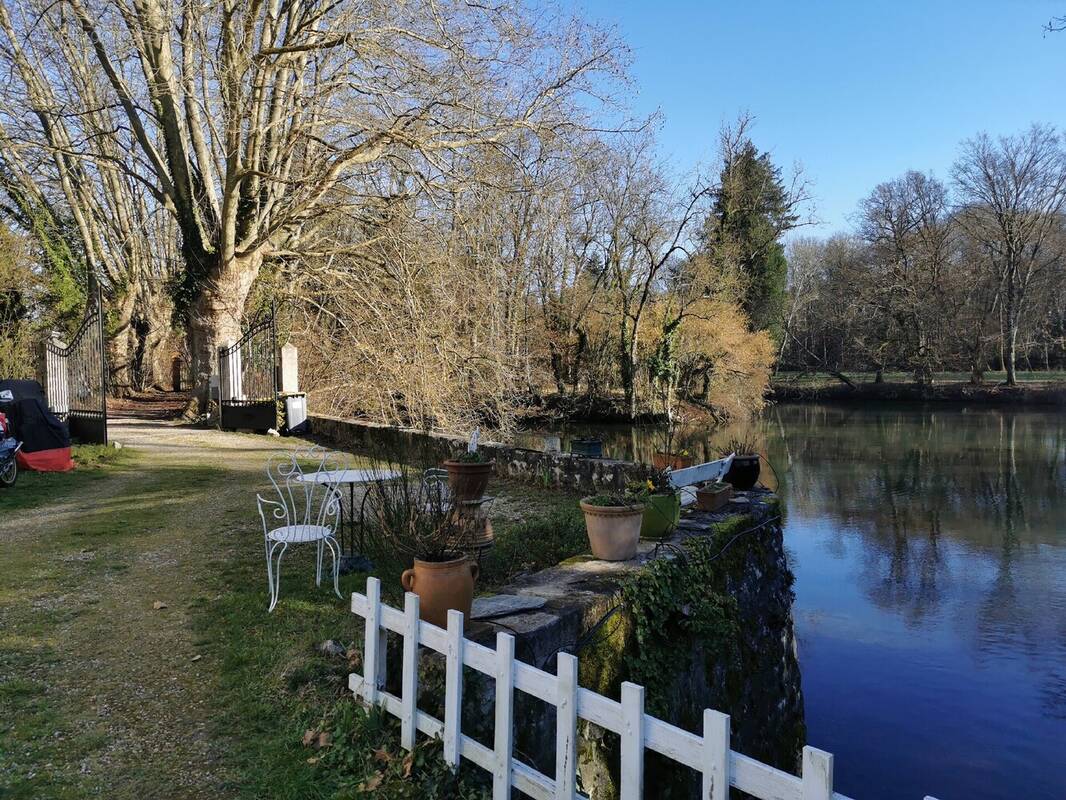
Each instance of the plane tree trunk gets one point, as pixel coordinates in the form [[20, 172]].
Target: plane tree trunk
[[216, 315]]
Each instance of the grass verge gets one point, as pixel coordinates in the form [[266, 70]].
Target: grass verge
[[136, 652]]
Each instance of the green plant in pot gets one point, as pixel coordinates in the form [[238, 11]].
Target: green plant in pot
[[468, 474], [744, 471], [612, 522], [713, 496], [662, 509], [417, 521]]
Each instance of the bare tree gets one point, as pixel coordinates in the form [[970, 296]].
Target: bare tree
[[645, 225], [906, 223], [1013, 192], [255, 124], [119, 240]]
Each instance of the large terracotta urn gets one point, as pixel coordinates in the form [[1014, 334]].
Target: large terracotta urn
[[441, 586]]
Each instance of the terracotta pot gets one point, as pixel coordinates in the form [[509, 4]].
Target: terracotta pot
[[661, 515], [713, 498], [441, 586], [614, 531], [477, 530], [468, 480], [744, 471], [670, 461]]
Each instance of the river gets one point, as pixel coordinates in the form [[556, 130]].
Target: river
[[929, 547]]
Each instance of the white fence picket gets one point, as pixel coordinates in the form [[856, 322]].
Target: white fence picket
[[504, 733], [817, 774], [708, 754], [453, 690], [409, 682], [715, 756], [372, 641], [632, 779], [566, 727]]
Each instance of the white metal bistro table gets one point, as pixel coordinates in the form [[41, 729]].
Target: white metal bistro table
[[352, 559]]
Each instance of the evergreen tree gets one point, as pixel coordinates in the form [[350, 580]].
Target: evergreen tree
[[742, 233]]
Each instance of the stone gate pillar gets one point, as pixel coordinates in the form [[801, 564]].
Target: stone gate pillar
[[290, 360]]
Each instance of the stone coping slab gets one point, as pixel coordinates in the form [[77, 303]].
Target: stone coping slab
[[574, 594]]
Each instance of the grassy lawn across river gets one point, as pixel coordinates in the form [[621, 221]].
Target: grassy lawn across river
[[137, 658]]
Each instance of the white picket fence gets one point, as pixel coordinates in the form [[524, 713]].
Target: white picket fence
[[708, 754]]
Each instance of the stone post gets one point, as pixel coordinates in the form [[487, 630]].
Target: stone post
[[290, 361]]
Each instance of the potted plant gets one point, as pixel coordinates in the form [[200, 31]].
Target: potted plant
[[669, 451], [662, 508], [468, 474], [418, 521], [679, 459], [713, 496], [744, 471], [612, 522]]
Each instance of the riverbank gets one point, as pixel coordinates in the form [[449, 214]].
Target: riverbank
[[831, 390], [558, 408]]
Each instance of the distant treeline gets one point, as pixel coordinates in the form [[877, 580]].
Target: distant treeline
[[967, 275]]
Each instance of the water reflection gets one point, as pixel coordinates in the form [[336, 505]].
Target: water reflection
[[930, 554]]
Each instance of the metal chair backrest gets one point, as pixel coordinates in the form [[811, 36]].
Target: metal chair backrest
[[305, 485], [435, 488]]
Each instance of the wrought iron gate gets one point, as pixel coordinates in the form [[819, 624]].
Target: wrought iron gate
[[76, 378], [248, 379]]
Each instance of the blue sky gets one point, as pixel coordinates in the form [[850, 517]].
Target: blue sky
[[857, 92]]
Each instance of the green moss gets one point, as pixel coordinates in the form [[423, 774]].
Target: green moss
[[721, 532], [602, 667], [582, 559]]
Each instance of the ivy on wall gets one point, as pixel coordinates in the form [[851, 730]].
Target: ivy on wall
[[674, 601]]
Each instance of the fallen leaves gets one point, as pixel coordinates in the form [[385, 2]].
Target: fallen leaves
[[317, 739], [371, 783], [355, 658]]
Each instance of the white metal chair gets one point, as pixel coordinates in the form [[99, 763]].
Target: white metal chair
[[308, 510]]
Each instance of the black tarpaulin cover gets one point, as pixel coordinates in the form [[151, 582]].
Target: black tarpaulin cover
[[45, 440]]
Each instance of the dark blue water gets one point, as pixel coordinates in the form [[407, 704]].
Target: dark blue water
[[929, 548]]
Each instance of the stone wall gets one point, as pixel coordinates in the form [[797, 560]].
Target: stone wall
[[555, 470]]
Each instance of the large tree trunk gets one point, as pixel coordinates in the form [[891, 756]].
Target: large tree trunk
[[161, 341], [120, 345], [216, 317], [1012, 352]]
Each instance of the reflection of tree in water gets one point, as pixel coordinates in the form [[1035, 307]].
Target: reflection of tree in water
[[951, 507], [903, 568], [948, 507]]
